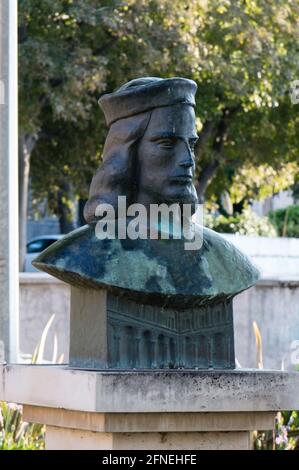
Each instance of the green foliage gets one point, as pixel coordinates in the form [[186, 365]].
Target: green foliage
[[246, 223], [287, 431], [286, 221], [241, 54], [16, 434], [286, 436], [259, 182]]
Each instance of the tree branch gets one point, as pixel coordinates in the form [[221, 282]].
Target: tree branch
[[204, 136], [218, 133]]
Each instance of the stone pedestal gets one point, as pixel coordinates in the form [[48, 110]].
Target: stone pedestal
[[167, 410]]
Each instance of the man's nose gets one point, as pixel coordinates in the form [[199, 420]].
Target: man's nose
[[186, 160]]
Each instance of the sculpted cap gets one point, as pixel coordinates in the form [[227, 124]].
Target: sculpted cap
[[144, 94]]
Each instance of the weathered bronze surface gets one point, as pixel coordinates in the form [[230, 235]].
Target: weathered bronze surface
[[165, 307], [157, 272]]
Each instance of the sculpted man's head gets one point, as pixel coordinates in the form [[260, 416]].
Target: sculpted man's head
[[148, 154]]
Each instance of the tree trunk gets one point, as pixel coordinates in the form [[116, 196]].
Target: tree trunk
[[204, 137], [206, 176], [215, 134], [66, 208], [26, 145]]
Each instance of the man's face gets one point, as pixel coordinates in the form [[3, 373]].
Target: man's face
[[166, 156]]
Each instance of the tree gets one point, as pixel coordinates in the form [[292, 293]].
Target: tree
[[60, 77], [243, 54]]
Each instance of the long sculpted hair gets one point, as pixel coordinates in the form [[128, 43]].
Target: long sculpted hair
[[117, 176]]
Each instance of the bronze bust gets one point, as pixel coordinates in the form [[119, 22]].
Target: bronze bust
[[173, 305]]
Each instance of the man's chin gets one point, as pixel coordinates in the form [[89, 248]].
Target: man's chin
[[187, 197]]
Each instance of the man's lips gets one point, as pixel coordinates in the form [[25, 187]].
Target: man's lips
[[182, 178]]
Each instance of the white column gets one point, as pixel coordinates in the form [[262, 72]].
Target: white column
[[9, 249]]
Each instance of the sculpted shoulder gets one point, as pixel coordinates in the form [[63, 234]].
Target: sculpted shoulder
[[158, 271], [228, 265]]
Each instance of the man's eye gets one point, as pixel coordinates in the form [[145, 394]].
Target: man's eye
[[166, 143]]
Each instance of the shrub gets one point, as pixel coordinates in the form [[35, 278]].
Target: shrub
[[285, 437], [246, 223], [16, 434], [286, 221]]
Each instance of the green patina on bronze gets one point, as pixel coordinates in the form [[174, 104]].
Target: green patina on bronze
[[159, 271]]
